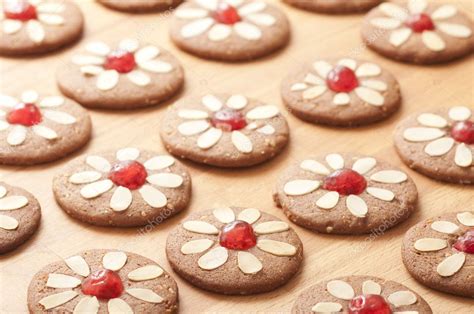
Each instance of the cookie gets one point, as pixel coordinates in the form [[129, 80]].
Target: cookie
[[36, 129], [38, 26], [439, 253], [418, 31], [234, 250], [341, 92], [126, 188], [230, 30], [140, 6], [360, 294], [124, 76], [103, 281], [334, 6], [345, 194], [439, 144], [20, 215]]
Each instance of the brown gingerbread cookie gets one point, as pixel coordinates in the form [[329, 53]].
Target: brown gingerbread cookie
[[419, 31], [439, 253], [229, 30], [126, 188], [341, 92], [360, 294], [439, 144], [103, 281], [124, 76], [140, 6], [37, 128], [224, 130], [334, 6], [20, 215], [234, 250], [38, 26], [345, 194]]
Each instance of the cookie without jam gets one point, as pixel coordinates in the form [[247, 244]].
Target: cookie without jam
[[140, 6], [334, 6]]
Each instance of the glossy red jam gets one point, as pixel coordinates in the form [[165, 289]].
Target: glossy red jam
[[238, 235], [345, 182], [228, 120], [341, 79], [129, 174], [19, 10], [226, 14], [465, 243], [420, 23], [103, 284], [369, 304], [121, 61], [463, 131], [25, 114]]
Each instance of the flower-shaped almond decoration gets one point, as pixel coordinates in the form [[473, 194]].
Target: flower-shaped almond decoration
[[29, 113], [217, 118], [346, 184], [462, 245], [405, 22], [127, 175], [240, 232], [222, 18], [443, 135], [9, 203], [31, 14], [103, 283], [128, 59], [345, 79]]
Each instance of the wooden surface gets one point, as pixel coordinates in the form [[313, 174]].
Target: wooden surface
[[325, 256]]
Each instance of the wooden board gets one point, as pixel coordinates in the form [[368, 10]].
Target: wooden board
[[325, 256]]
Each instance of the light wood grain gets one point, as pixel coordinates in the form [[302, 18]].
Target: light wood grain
[[325, 256]]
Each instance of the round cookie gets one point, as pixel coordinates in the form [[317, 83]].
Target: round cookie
[[38, 26], [345, 194], [103, 281], [20, 215], [36, 129], [341, 92], [126, 188], [224, 130], [126, 76], [361, 294], [140, 6], [230, 30], [439, 144], [439, 253], [418, 31], [334, 6], [234, 251]]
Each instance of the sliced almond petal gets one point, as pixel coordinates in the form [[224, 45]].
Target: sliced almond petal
[[99, 163], [263, 112], [87, 60], [11, 26], [433, 41], [463, 156], [393, 10], [420, 134], [249, 215], [340, 289], [364, 165], [98, 48], [45, 132], [417, 6], [248, 263], [8, 101], [17, 135], [196, 246], [341, 99], [241, 142], [237, 102], [95, 189], [78, 265], [376, 85], [147, 53], [314, 92], [402, 298], [252, 7], [8, 223], [430, 244], [139, 78], [389, 176], [370, 96], [224, 215], [121, 199], [381, 194], [444, 12], [118, 306], [335, 161], [190, 128], [153, 197], [190, 13], [368, 69], [197, 27], [301, 187], [51, 101], [356, 206], [322, 68], [460, 113], [89, 305], [212, 103], [209, 138], [159, 162], [156, 66], [247, 31], [114, 260], [35, 31], [298, 87], [349, 63], [13, 202], [328, 200], [400, 36], [432, 120], [213, 259], [327, 307], [60, 281], [126, 154], [269, 227], [439, 147], [455, 30], [267, 130], [198, 226], [91, 70], [371, 287], [59, 117], [144, 273], [451, 265], [276, 247], [385, 23], [166, 180], [107, 80], [146, 295], [55, 300], [191, 114], [129, 44], [444, 226], [219, 32], [313, 79], [314, 166], [3, 191], [466, 218]]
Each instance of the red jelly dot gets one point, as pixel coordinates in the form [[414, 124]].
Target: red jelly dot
[[228, 120], [420, 23], [345, 182], [342, 79], [121, 61], [129, 174], [463, 131], [465, 243], [238, 235], [19, 10], [103, 284], [226, 14], [369, 304], [25, 114]]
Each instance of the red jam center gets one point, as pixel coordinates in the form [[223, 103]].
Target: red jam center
[[342, 79], [420, 23], [24, 114], [129, 174], [463, 131], [369, 304], [226, 14], [465, 243], [19, 10], [228, 120], [103, 284], [345, 182], [121, 61], [238, 235]]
